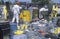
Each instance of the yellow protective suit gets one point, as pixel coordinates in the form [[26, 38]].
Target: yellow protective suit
[[54, 11], [57, 30], [5, 12], [21, 29], [25, 15]]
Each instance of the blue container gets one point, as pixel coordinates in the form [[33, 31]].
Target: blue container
[[13, 27]]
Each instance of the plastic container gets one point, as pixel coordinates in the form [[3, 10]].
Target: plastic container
[[13, 27]]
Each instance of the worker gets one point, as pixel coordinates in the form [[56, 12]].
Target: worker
[[16, 11], [5, 12], [31, 11], [54, 11], [43, 12]]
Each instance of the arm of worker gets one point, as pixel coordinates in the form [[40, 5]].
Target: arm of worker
[[42, 9], [20, 7], [45, 9]]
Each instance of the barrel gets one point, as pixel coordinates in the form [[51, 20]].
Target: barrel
[[13, 27]]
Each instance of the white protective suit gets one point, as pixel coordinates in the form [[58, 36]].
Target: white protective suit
[[41, 10], [16, 11]]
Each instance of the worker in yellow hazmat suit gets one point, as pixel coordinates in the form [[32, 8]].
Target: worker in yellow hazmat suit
[[5, 12], [25, 15], [57, 30], [54, 11], [21, 29]]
